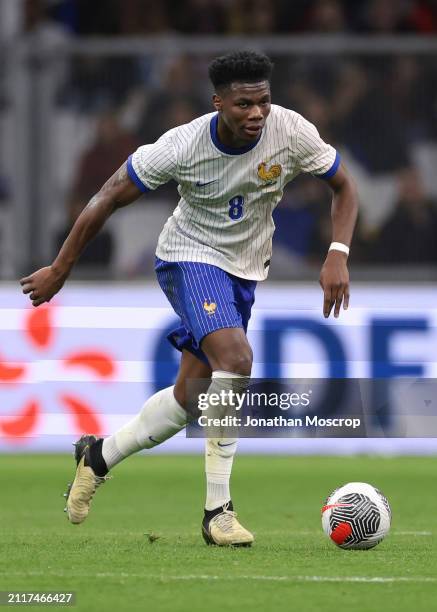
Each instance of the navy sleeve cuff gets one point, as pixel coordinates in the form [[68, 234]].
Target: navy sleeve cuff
[[333, 169], [134, 177]]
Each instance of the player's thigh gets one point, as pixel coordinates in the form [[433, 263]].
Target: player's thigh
[[227, 349], [191, 368]]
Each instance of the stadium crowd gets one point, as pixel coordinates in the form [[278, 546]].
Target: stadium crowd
[[138, 17]]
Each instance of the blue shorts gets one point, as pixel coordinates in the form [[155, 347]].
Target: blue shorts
[[206, 298]]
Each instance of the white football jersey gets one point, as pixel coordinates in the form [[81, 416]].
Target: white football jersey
[[227, 195]]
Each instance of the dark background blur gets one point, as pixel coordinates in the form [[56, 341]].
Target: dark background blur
[[84, 83]]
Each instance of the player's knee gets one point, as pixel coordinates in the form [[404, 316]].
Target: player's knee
[[237, 359], [228, 350]]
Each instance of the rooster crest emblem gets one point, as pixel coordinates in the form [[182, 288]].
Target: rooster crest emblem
[[209, 308], [270, 175]]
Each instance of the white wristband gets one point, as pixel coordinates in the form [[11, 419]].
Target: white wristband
[[339, 246]]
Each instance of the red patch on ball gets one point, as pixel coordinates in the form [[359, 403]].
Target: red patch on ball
[[341, 533]]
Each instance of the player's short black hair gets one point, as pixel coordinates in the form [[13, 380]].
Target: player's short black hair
[[240, 66]]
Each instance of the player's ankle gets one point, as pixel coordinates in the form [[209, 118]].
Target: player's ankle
[[98, 464], [209, 514]]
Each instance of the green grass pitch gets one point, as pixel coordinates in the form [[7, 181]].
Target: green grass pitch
[[111, 562]]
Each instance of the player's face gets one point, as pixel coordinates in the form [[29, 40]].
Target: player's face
[[244, 108]]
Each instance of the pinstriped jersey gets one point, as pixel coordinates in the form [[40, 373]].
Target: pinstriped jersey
[[227, 195]]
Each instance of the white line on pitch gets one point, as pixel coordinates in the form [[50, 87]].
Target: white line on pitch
[[206, 577]]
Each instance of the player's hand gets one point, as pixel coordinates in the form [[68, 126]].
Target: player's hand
[[334, 280], [42, 285]]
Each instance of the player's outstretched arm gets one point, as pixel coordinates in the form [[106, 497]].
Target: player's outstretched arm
[[334, 276], [118, 191]]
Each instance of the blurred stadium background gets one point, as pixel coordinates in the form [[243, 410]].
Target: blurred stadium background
[[84, 83]]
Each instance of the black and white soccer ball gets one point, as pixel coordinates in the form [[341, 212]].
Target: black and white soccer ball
[[356, 516]]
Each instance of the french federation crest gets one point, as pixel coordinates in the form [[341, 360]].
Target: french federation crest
[[269, 175], [209, 308]]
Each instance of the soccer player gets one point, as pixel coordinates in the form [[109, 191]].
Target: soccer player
[[231, 167]]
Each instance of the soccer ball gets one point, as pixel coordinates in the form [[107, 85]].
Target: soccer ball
[[356, 516]]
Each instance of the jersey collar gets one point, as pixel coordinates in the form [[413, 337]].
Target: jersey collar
[[224, 148]]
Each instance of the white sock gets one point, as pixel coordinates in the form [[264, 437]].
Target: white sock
[[160, 418], [218, 467], [219, 452]]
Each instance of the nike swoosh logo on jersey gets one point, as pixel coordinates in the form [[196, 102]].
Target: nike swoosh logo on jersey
[[228, 444], [200, 184]]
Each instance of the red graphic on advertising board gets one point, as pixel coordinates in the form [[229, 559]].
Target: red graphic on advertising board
[[40, 332]]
